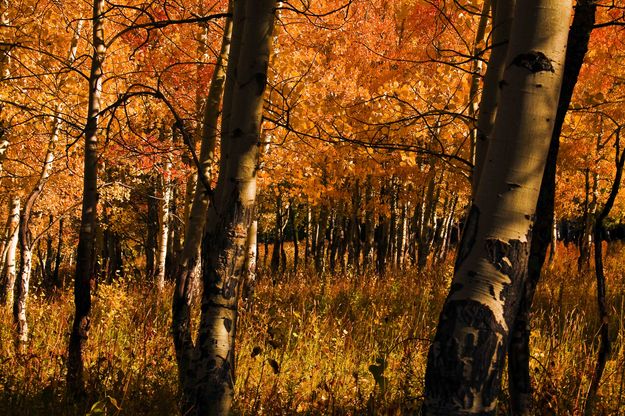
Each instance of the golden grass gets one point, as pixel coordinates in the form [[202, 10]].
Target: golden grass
[[340, 345]]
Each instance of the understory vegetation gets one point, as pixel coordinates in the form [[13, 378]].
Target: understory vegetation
[[332, 345]]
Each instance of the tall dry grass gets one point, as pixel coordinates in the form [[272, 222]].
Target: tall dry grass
[[341, 344]]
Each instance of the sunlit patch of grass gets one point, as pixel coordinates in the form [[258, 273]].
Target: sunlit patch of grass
[[341, 344], [128, 358]]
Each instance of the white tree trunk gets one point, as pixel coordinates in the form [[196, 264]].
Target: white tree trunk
[[25, 237], [250, 261], [503, 16], [163, 224], [466, 359], [188, 272], [224, 243], [8, 270]]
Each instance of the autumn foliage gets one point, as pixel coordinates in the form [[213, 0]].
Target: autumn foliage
[[364, 182]]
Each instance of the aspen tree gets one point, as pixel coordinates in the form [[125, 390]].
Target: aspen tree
[[210, 375], [8, 269], [56, 279], [466, 358], [84, 255], [503, 15], [519, 380], [26, 241], [5, 62], [476, 71], [250, 261], [188, 272], [163, 223]]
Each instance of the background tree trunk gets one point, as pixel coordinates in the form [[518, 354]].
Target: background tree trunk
[[503, 16], [599, 231], [84, 256], [25, 236], [163, 224], [8, 269]]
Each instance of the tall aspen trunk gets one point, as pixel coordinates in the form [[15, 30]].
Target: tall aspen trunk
[[590, 205], [105, 253], [98, 252], [294, 230], [367, 260], [314, 234], [277, 238], [4, 244], [382, 235], [151, 242], [266, 250], [336, 240], [439, 230], [519, 379], [353, 255], [189, 193], [26, 241], [342, 243], [590, 208], [5, 73], [5, 59], [174, 244], [477, 66], [416, 226], [393, 231], [553, 244], [56, 279], [8, 269], [503, 16], [250, 261], [211, 373], [84, 256], [163, 225], [582, 238], [47, 266], [428, 221], [320, 249], [188, 272], [402, 236], [466, 358], [446, 226], [308, 235], [4, 143], [599, 231]]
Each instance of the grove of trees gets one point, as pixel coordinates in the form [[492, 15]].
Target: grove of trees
[[208, 156]]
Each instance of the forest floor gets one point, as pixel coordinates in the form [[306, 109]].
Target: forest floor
[[340, 345]]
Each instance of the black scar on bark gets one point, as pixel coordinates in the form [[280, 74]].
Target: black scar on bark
[[448, 376], [454, 288], [230, 288], [228, 324], [237, 133], [468, 236], [510, 258], [533, 61], [261, 81], [497, 252]]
